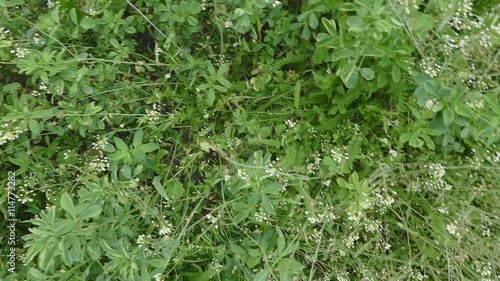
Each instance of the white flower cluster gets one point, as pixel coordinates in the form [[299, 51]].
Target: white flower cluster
[[157, 277], [100, 163], [42, 88], [213, 219], [38, 40], [290, 123], [485, 269], [431, 104], [313, 166], [339, 155], [90, 11], [53, 4], [476, 104], [8, 133], [437, 171], [463, 12], [100, 143], [430, 66], [143, 240], [449, 45], [454, 230], [166, 229], [155, 113], [4, 33], [20, 52]]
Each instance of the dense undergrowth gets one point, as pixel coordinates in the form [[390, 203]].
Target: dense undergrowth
[[249, 140]]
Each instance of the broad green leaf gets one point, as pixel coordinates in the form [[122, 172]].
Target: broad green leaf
[[138, 135], [237, 249], [266, 204], [330, 26], [67, 204], [118, 155], [73, 16], [91, 212], [352, 81], [210, 97], [262, 275], [120, 144], [159, 187], [367, 73], [34, 128], [396, 73], [87, 23], [242, 215], [313, 21], [65, 226], [126, 171], [43, 113], [448, 116], [148, 147]]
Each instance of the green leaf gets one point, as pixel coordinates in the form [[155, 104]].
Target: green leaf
[[91, 212], [159, 187], [262, 275], [367, 73], [272, 188], [126, 171], [237, 250], [242, 215], [118, 155], [448, 116], [210, 97], [120, 144], [396, 73], [87, 23], [138, 135], [34, 128], [72, 15], [352, 81], [43, 113], [313, 21], [148, 147], [266, 204], [67, 204], [330, 26], [37, 274]]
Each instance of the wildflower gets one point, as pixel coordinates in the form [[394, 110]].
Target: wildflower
[[8, 134], [100, 143], [453, 230], [430, 66], [51, 4], [143, 239], [477, 104], [216, 266], [291, 124], [339, 156], [20, 52], [157, 277], [393, 153], [276, 3], [437, 170], [100, 163], [166, 229], [431, 104], [155, 113], [4, 33]]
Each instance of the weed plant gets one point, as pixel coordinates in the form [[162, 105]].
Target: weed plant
[[250, 140]]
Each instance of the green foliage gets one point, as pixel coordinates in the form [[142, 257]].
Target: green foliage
[[249, 140]]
